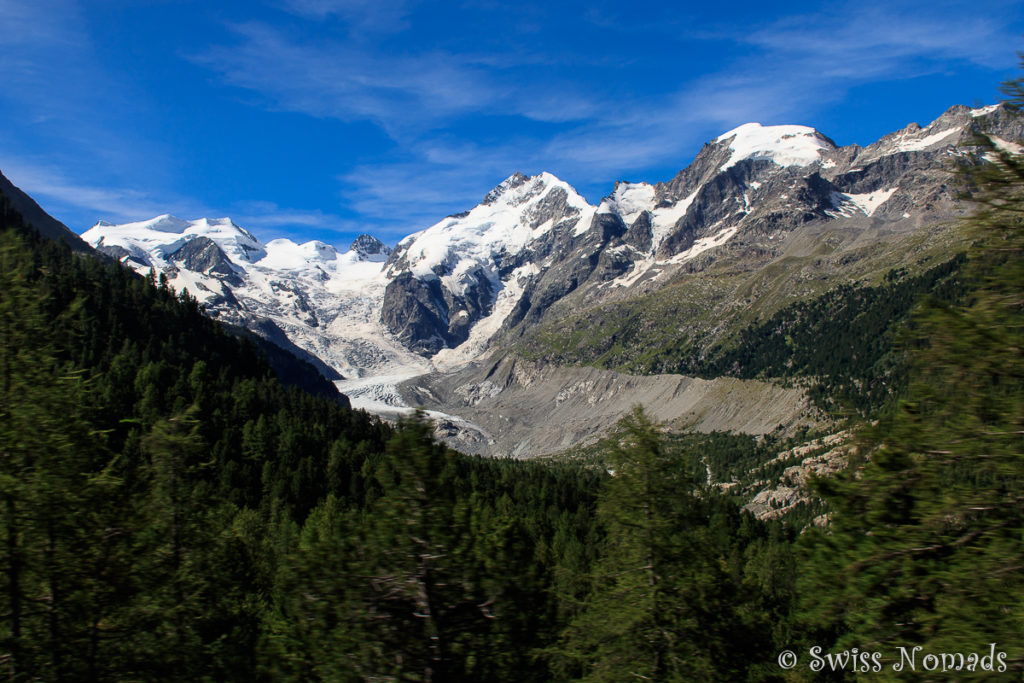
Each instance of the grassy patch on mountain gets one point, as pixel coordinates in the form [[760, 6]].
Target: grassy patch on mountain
[[821, 314], [846, 340]]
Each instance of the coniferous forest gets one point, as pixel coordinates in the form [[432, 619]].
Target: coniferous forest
[[172, 510]]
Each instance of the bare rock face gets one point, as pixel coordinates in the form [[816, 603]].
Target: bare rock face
[[427, 317], [47, 225], [370, 248], [751, 186], [819, 458], [202, 255], [118, 253]]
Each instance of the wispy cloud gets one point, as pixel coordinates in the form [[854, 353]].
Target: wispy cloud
[[63, 129], [864, 42], [48, 22], [342, 81], [402, 93], [58, 193], [268, 219], [384, 16], [419, 98], [402, 198], [33, 35]]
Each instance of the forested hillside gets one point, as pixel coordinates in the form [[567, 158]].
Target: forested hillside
[[842, 345], [170, 511], [927, 525]]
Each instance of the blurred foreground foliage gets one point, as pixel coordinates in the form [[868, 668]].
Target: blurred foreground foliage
[[170, 511], [928, 525]]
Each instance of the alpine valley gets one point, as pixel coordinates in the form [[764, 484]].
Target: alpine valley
[[769, 408], [530, 323]]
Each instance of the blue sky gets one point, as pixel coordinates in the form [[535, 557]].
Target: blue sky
[[328, 118]]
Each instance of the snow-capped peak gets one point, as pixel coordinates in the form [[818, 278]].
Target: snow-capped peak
[[237, 243], [519, 189], [285, 255], [782, 145], [162, 223], [513, 214], [628, 200], [514, 181]]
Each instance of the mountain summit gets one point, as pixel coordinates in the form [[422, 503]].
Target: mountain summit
[[534, 252]]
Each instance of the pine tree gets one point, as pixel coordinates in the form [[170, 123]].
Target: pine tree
[[413, 537], [639, 621], [64, 549], [927, 530]]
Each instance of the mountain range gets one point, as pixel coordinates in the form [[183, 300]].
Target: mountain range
[[530, 322]]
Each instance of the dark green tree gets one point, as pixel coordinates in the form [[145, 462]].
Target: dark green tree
[[928, 528], [637, 621], [65, 550]]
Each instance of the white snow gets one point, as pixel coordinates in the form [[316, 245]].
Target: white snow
[[664, 220], [585, 222], [283, 254], [165, 234], [866, 203], [329, 303], [705, 243], [1006, 145], [782, 145], [485, 328], [918, 144], [870, 201], [629, 200], [984, 111], [640, 268], [342, 291], [462, 246], [652, 265]]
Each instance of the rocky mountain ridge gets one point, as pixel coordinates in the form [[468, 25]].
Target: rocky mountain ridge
[[47, 225], [753, 185], [535, 251]]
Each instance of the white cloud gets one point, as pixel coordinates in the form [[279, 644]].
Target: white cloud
[[383, 16], [868, 41], [402, 93], [59, 194]]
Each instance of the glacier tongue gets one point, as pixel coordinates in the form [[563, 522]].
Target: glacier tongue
[[326, 302], [533, 245]]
